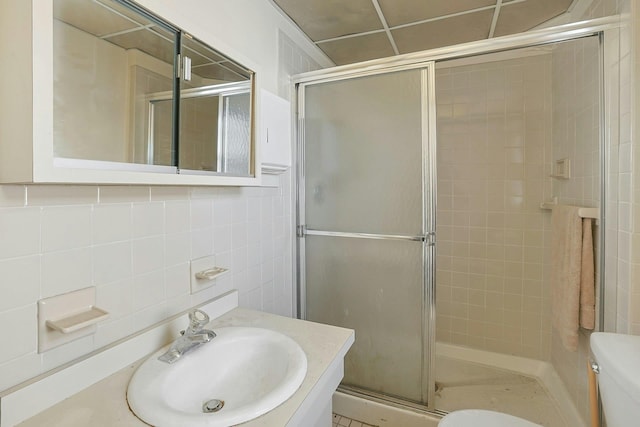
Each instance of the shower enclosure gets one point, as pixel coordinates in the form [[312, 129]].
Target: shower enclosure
[[369, 223], [368, 169]]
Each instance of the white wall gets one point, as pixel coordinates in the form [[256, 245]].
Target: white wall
[[134, 242]]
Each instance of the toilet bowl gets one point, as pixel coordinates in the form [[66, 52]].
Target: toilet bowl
[[483, 418]]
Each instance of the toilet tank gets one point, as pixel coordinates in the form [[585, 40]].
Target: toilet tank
[[618, 358]]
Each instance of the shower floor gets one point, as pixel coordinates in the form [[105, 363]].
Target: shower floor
[[473, 379], [464, 385]]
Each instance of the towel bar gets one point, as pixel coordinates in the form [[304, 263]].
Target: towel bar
[[583, 212]]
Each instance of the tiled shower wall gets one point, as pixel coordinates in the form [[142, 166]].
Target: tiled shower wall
[[494, 128]]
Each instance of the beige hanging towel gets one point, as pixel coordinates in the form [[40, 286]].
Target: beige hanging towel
[[587, 278], [572, 274]]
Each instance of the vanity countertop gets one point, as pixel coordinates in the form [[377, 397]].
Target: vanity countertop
[[105, 404]]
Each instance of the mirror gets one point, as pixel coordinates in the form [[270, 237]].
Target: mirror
[[130, 88]]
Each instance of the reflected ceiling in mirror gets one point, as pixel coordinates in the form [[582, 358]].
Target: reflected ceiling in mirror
[[114, 63]]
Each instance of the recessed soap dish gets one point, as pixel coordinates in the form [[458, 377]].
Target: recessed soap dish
[[72, 323], [211, 273], [67, 317]]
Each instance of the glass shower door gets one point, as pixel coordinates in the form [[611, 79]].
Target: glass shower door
[[365, 225]]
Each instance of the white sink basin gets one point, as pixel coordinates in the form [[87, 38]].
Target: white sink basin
[[252, 370]]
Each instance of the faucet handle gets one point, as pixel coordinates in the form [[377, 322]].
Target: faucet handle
[[197, 319]]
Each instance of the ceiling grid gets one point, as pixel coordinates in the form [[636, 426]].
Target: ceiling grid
[[358, 30]]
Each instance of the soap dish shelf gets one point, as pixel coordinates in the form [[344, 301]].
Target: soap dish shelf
[[211, 273], [77, 321]]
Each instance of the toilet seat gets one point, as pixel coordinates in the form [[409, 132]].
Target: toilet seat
[[482, 418]]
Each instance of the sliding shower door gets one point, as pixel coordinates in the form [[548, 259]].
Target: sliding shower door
[[365, 224]]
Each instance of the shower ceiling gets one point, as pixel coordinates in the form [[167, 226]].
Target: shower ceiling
[[357, 30]]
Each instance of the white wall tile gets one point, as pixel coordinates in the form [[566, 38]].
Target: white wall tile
[[112, 262], [201, 214], [239, 210], [112, 223], [222, 212], [20, 229], [148, 290], [66, 353], [18, 335], [150, 315], [21, 279], [116, 298], [148, 254], [113, 330], [48, 195], [13, 195], [148, 219], [177, 248], [66, 271], [66, 227], [178, 280], [124, 194], [163, 193], [201, 242], [222, 238], [239, 235], [18, 370], [177, 217]]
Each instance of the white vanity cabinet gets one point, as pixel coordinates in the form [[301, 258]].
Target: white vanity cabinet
[[200, 80]]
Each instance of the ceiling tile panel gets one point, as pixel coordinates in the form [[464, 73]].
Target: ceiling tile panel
[[93, 18], [356, 49], [398, 12], [520, 17], [325, 19], [444, 32]]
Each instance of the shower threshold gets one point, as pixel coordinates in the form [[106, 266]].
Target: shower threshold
[[381, 410]]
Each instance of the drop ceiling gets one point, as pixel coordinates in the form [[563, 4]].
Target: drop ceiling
[[357, 30]]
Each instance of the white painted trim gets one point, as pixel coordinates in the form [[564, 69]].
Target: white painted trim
[[26, 400]]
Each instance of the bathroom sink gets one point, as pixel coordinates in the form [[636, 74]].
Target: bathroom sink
[[239, 375]]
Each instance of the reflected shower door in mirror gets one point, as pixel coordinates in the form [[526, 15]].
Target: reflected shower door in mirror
[[131, 89], [215, 112]]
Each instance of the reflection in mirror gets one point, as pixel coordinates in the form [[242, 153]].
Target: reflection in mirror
[[105, 57], [114, 95], [215, 115]]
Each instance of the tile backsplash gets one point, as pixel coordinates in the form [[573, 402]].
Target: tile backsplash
[[134, 244]]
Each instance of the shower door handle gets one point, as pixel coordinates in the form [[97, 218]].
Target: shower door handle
[[303, 231]]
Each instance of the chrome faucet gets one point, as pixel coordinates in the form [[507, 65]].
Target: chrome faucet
[[190, 338]]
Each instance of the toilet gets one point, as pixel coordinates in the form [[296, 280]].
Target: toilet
[[617, 357]]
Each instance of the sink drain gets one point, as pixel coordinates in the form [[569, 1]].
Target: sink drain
[[213, 405]]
